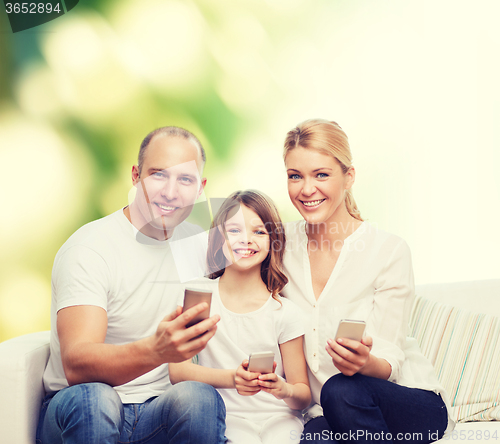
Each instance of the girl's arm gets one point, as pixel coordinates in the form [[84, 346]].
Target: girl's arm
[[187, 371], [243, 381], [295, 390]]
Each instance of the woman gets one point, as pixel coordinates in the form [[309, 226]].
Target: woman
[[340, 267]]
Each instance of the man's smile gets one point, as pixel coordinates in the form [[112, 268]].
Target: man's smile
[[165, 208]]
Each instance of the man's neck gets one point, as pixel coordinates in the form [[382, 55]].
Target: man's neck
[[146, 228]]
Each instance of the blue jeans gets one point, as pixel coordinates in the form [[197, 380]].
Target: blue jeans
[[188, 412], [364, 409]]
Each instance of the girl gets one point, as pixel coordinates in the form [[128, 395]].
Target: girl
[[246, 246], [381, 388]]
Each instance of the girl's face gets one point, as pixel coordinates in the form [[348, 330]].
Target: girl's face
[[317, 185], [247, 244]]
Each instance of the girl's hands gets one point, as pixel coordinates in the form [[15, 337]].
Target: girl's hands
[[350, 356], [245, 382], [249, 383], [276, 386]]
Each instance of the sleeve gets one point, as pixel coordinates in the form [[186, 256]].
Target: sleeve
[[80, 277], [393, 300], [292, 324]]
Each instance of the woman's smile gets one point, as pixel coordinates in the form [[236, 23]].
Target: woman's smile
[[312, 204]]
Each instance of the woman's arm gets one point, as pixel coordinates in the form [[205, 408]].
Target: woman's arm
[[187, 371], [393, 301], [295, 390], [388, 320]]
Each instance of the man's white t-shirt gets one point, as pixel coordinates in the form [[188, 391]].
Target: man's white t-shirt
[[238, 335], [109, 264]]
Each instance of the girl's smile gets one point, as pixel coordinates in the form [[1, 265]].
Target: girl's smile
[[245, 252]]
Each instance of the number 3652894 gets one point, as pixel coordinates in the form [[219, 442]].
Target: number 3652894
[[32, 8]]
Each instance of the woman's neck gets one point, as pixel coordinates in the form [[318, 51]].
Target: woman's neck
[[335, 230]]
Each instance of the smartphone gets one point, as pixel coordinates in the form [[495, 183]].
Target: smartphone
[[350, 329], [261, 362], [193, 297]]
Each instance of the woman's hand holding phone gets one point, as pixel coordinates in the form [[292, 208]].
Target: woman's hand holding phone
[[350, 356], [350, 351]]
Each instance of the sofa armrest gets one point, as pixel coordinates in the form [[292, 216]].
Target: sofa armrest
[[22, 363], [463, 346]]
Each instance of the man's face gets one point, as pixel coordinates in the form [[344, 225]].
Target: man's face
[[167, 187]]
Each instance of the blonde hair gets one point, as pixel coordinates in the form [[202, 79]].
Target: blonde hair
[[329, 138]]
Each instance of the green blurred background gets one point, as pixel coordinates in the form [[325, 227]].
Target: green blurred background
[[413, 83]]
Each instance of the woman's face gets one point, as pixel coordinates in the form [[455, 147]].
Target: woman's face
[[247, 242], [317, 185]]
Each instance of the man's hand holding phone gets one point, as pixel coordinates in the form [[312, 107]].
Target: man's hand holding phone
[[175, 342]]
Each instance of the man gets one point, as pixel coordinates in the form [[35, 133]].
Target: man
[[113, 282]]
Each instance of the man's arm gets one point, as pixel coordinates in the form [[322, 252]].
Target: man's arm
[[86, 358]]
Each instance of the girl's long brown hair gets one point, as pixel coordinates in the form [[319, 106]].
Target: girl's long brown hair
[[271, 270]]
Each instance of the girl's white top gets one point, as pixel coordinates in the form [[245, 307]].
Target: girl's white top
[[238, 335]]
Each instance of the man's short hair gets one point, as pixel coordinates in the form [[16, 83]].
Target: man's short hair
[[169, 131]]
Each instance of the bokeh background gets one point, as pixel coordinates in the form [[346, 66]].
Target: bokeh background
[[413, 83]]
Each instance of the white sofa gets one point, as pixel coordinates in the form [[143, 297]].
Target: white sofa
[[439, 312], [22, 362], [458, 329]]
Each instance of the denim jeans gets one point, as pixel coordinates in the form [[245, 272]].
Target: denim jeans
[[363, 409], [188, 412]]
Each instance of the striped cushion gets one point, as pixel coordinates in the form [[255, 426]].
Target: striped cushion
[[464, 348]]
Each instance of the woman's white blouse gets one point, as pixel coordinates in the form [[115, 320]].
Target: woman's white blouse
[[372, 281]]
